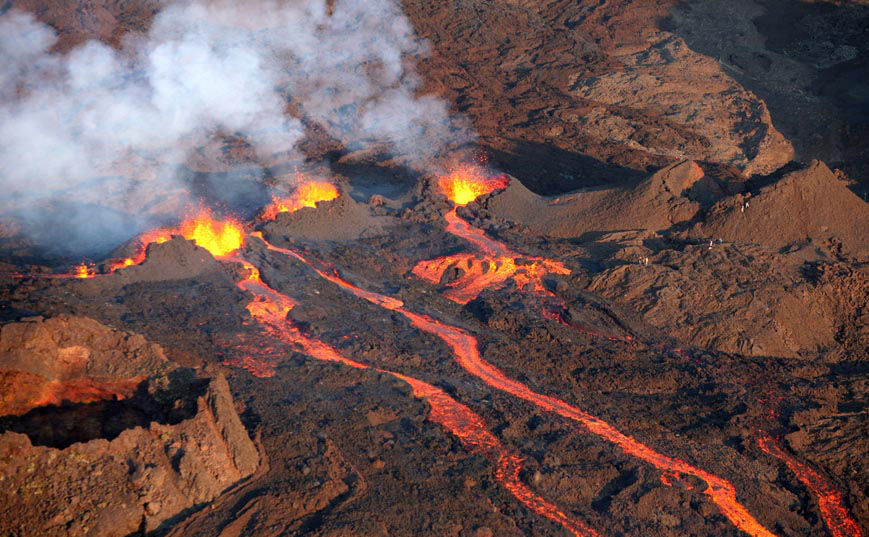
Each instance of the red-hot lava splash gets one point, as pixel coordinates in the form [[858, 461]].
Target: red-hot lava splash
[[306, 195], [84, 271], [466, 353], [467, 183], [270, 308], [498, 264]]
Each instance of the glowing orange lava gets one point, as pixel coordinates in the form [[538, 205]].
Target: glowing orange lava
[[306, 195], [158, 236], [478, 274], [84, 271], [491, 270], [220, 237], [469, 427], [468, 183], [498, 263], [467, 355], [86, 390], [829, 499], [270, 308]]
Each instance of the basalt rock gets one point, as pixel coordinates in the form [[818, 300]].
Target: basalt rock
[[101, 436]]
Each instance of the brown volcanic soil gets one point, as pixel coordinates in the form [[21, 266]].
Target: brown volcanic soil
[[569, 94], [613, 108], [808, 207]]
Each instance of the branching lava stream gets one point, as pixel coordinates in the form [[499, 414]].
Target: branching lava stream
[[270, 308], [498, 264], [466, 353], [473, 282]]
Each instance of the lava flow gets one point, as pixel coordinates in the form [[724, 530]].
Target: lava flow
[[467, 355], [306, 195], [499, 263], [830, 500], [270, 308], [483, 273]]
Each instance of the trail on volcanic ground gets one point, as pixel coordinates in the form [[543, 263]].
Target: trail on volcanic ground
[[270, 308], [466, 353]]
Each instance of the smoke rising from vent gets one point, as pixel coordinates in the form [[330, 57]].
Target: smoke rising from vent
[[97, 137]]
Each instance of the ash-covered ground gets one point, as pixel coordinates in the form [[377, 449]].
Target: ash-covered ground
[[634, 305]]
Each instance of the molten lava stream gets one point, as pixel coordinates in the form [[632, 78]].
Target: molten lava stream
[[499, 263], [464, 347], [462, 422], [270, 308], [830, 501]]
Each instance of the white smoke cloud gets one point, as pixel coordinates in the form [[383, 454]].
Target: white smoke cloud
[[107, 128]]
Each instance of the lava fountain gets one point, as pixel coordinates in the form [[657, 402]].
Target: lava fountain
[[306, 195], [467, 183], [219, 237], [84, 271]]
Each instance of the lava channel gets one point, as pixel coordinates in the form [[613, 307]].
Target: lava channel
[[498, 264], [830, 500], [270, 308], [467, 355]]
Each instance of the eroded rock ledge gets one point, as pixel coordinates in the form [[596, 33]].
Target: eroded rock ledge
[[101, 435]]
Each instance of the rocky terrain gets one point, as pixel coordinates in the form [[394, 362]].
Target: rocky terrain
[[645, 314], [102, 435]]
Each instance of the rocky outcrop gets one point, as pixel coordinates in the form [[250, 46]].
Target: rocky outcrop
[[809, 207], [670, 196], [102, 436]]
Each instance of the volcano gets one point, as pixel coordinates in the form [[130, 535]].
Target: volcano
[[466, 269]]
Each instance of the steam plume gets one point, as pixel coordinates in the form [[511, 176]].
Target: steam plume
[[96, 136]]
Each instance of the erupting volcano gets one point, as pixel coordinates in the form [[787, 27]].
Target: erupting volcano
[[467, 183], [219, 237], [436, 269]]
